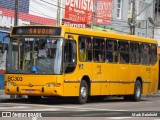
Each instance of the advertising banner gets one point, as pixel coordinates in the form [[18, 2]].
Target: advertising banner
[[104, 12], [80, 11], [74, 24]]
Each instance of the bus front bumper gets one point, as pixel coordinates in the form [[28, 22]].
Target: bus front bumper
[[34, 91]]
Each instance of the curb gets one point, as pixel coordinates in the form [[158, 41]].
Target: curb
[[2, 92]]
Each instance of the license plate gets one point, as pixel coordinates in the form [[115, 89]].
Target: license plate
[[30, 91]]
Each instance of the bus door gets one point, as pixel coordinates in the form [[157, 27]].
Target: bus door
[[71, 82], [146, 68], [124, 70], [111, 67], [85, 59], [99, 85], [154, 67]]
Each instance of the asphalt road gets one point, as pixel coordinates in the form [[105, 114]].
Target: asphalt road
[[110, 108]]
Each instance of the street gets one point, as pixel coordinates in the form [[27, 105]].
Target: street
[[110, 108]]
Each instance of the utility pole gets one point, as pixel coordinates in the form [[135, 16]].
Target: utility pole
[[16, 13], [157, 9], [132, 24], [59, 12], [16, 17]]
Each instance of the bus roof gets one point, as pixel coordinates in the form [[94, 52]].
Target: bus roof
[[112, 35], [90, 32]]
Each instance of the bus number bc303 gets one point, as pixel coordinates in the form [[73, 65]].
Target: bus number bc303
[[14, 78]]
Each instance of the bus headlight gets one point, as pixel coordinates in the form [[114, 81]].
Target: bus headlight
[[14, 84], [48, 85], [53, 84], [11, 84]]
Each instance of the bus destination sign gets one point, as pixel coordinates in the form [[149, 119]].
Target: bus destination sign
[[36, 30]]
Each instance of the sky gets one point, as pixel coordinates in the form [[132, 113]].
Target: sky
[[40, 8]]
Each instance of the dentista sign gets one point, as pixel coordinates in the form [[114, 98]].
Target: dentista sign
[[79, 10], [81, 4]]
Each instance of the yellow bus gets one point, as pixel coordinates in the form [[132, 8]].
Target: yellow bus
[[51, 61]]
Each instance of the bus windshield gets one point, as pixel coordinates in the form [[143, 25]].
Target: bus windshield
[[35, 55]]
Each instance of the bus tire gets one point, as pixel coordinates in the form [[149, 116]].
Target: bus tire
[[137, 91], [83, 93], [34, 99]]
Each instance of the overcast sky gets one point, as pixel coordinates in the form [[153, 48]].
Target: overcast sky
[[40, 8]]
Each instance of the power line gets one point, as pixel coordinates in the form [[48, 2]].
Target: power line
[[82, 13], [41, 13], [43, 5], [75, 12], [144, 8], [61, 13]]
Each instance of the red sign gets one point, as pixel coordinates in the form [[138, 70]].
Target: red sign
[[25, 17], [104, 12], [79, 11], [74, 24]]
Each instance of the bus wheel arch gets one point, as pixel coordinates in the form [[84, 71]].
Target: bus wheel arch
[[84, 90], [138, 86], [137, 89], [87, 79]]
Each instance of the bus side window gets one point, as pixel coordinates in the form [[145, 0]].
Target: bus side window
[[134, 53], [70, 56], [98, 49], [123, 47], [153, 54], [85, 48], [111, 50], [145, 54]]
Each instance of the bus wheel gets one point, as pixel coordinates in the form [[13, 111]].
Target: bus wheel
[[34, 99], [137, 91], [83, 93]]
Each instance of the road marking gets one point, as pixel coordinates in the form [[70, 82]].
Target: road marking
[[34, 118], [89, 109], [14, 107], [118, 118], [54, 108], [47, 109]]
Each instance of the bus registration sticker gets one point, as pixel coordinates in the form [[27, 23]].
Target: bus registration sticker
[[30, 91]]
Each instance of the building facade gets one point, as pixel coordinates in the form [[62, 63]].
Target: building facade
[[110, 14], [123, 13]]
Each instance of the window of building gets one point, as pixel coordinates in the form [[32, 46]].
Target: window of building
[[111, 51], [119, 9], [98, 49], [85, 48], [134, 53], [123, 47]]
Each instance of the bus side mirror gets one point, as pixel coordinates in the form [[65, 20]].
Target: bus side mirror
[[2, 48]]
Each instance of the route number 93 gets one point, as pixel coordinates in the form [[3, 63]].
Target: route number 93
[[14, 78]]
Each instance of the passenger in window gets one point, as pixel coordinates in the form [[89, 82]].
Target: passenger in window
[[127, 47], [122, 59], [50, 53], [82, 55], [109, 57], [100, 57], [89, 55]]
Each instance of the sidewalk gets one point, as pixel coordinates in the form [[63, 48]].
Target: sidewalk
[[157, 94], [3, 95]]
